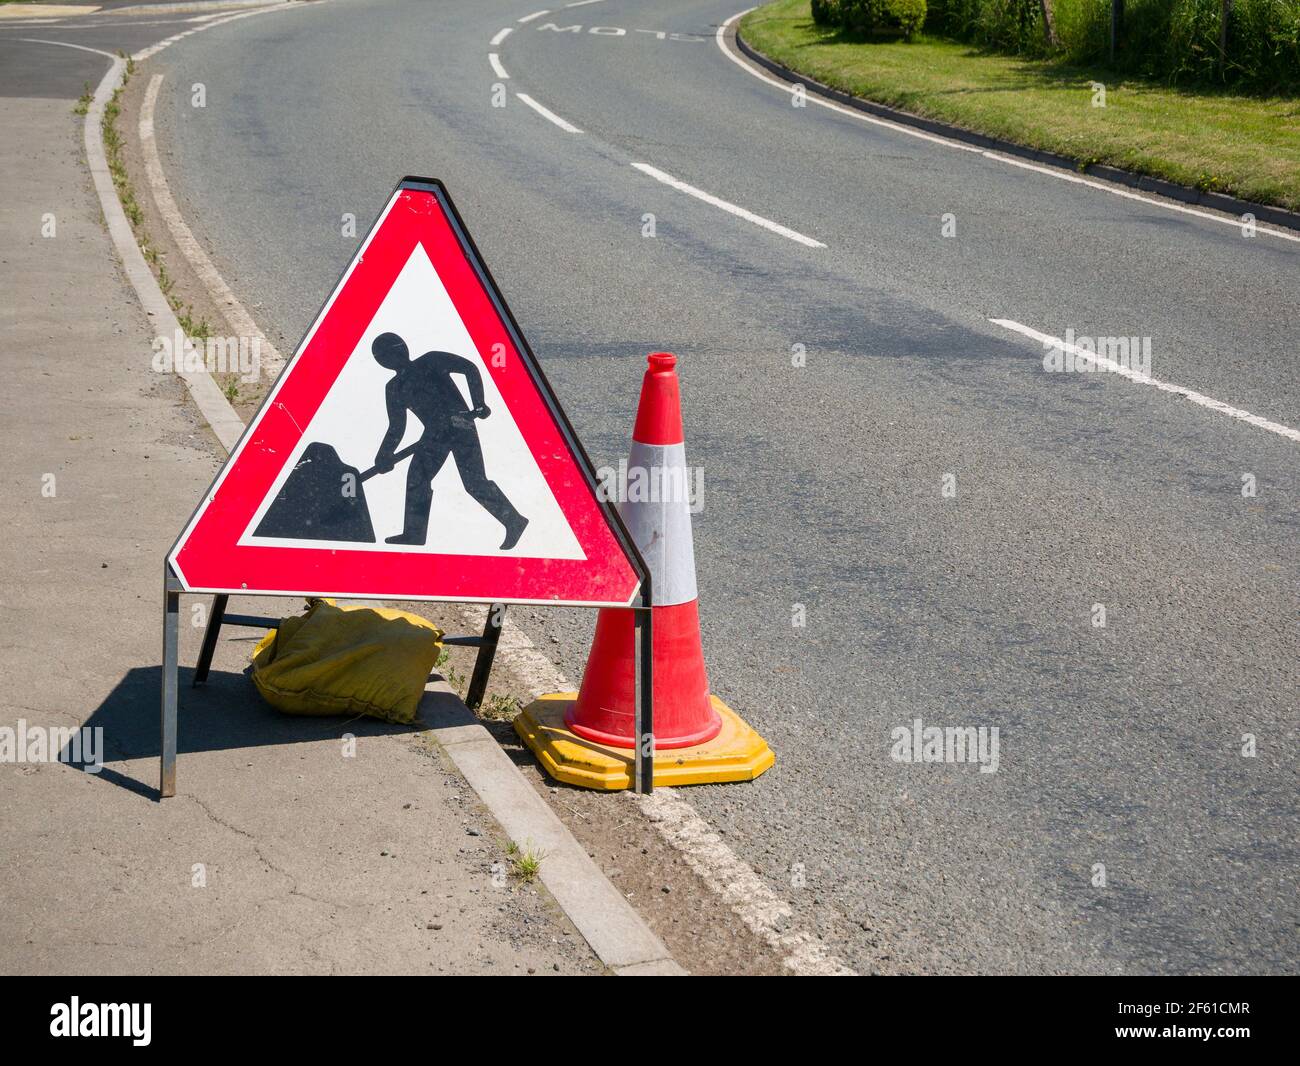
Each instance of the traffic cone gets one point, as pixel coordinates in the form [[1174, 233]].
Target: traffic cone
[[586, 738], [660, 525]]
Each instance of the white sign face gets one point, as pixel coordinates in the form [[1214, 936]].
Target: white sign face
[[368, 403]]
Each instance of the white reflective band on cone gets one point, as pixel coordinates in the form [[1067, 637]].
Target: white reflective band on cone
[[656, 510]]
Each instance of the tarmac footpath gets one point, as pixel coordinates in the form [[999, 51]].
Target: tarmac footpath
[[286, 849]]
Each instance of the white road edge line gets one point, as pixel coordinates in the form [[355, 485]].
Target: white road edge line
[[1103, 363], [501, 35], [764, 912], [154, 49], [1052, 172], [65, 44], [271, 361], [535, 15], [761, 910], [620, 937], [725, 205], [1077, 179], [626, 942], [550, 116], [203, 390], [497, 68], [830, 105]]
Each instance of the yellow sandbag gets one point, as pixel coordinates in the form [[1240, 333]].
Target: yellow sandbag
[[347, 660]]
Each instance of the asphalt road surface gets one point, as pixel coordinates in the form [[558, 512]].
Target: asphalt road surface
[[1120, 745]]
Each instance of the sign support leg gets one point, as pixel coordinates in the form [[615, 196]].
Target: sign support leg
[[210, 635], [487, 651], [643, 694], [170, 681]]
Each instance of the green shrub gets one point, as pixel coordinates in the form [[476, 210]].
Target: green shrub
[[1175, 41], [826, 12], [883, 16]]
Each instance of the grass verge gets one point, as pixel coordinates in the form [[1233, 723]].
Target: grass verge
[[1246, 146]]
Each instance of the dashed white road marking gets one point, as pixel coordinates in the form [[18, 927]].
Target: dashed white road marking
[[501, 35], [497, 68], [727, 206], [1104, 363], [1052, 172], [535, 15], [547, 114], [582, 3]]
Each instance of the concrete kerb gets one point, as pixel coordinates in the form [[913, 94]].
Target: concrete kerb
[[619, 936], [614, 930], [193, 7]]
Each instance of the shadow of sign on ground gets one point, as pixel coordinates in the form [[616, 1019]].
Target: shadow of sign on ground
[[226, 713]]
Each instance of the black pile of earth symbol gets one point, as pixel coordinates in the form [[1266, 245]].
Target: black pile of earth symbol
[[320, 501]]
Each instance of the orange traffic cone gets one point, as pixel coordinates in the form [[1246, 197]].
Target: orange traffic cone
[[590, 744], [659, 521]]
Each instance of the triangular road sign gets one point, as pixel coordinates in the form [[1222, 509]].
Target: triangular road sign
[[411, 448]]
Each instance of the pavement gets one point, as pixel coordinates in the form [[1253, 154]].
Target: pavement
[[287, 850], [1124, 831]]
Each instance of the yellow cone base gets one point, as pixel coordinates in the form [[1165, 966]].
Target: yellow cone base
[[737, 753]]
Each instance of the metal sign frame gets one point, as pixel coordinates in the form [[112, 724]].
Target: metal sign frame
[[174, 586]]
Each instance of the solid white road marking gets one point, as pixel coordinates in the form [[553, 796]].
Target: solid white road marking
[[65, 44], [730, 208], [761, 909], [1236, 223], [497, 68], [240, 320], [830, 105], [550, 116], [1051, 172], [501, 36], [1142, 379], [154, 49], [536, 15], [677, 822]]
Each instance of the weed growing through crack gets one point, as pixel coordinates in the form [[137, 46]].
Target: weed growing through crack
[[500, 708], [525, 863]]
